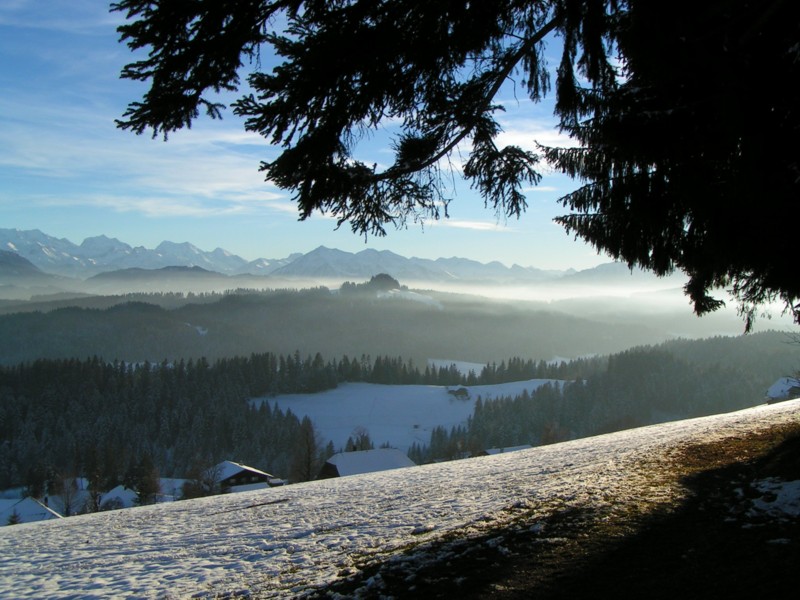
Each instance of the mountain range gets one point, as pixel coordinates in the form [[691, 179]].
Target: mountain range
[[34, 263], [101, 254]]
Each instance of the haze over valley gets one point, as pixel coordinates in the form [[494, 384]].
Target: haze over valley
[[603, 309]]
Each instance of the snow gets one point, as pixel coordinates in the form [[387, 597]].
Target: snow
[[171, 486], [779, 499], [74, 503], [369, 461], [463, 367], [247, 487], [201, 331], [395, 414], [493, 451], [285, 542], [121, 497]]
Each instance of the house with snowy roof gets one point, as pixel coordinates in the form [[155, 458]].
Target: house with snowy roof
[[785, 388], [119, 497], [364, 461], [26, 510], [236, 477]]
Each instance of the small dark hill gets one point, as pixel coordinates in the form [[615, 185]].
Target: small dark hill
[[14, 265], [138, 274]]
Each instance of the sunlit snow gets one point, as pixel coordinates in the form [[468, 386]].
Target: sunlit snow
[[395, 414], [283, 542]]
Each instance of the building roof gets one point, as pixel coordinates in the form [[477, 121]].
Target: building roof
[[369, 461], [783, 387], [228, 468], [126, 497], [27, 510]]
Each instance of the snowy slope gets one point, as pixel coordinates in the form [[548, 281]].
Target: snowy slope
[[369, 461], [397, 414], [282, 542]]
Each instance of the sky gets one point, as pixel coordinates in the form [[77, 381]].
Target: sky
[[67, 170]]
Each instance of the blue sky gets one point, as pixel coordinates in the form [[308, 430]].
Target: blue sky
[[67, 170]]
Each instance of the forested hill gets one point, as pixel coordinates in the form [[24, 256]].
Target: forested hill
[[61, 418], [637, 387], [101, 419], [417, 326]]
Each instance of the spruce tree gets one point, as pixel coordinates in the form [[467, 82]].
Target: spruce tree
[[684, 115]]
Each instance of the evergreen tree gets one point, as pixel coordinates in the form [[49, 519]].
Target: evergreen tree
[[307, 453], [144, 480], [359, 440], [673, 158], [673, 145], [36, 480]]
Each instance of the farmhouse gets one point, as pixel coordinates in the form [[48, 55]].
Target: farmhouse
[[785, 388], [364, 461], [235, 477]]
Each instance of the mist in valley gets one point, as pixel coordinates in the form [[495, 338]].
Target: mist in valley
[[162, 315]]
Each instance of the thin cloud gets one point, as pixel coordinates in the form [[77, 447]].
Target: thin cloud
[[540, 189], [474, 225], [79, 17], [168, 207], [526, 133], [210, 162]]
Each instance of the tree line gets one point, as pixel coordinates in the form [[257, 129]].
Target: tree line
[[117, 422], [637, 387], [106, 420]]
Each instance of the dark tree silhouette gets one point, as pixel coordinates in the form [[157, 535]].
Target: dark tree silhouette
[[307, 452], [684, 115], [346, 68], [690, 162]]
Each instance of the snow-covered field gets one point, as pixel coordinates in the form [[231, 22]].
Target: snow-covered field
[[397, 414], [284, 542]]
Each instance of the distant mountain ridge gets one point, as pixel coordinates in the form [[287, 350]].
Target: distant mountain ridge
[[120, 261], [101, 254], [332, 263], [14, 265], [132, 273]]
